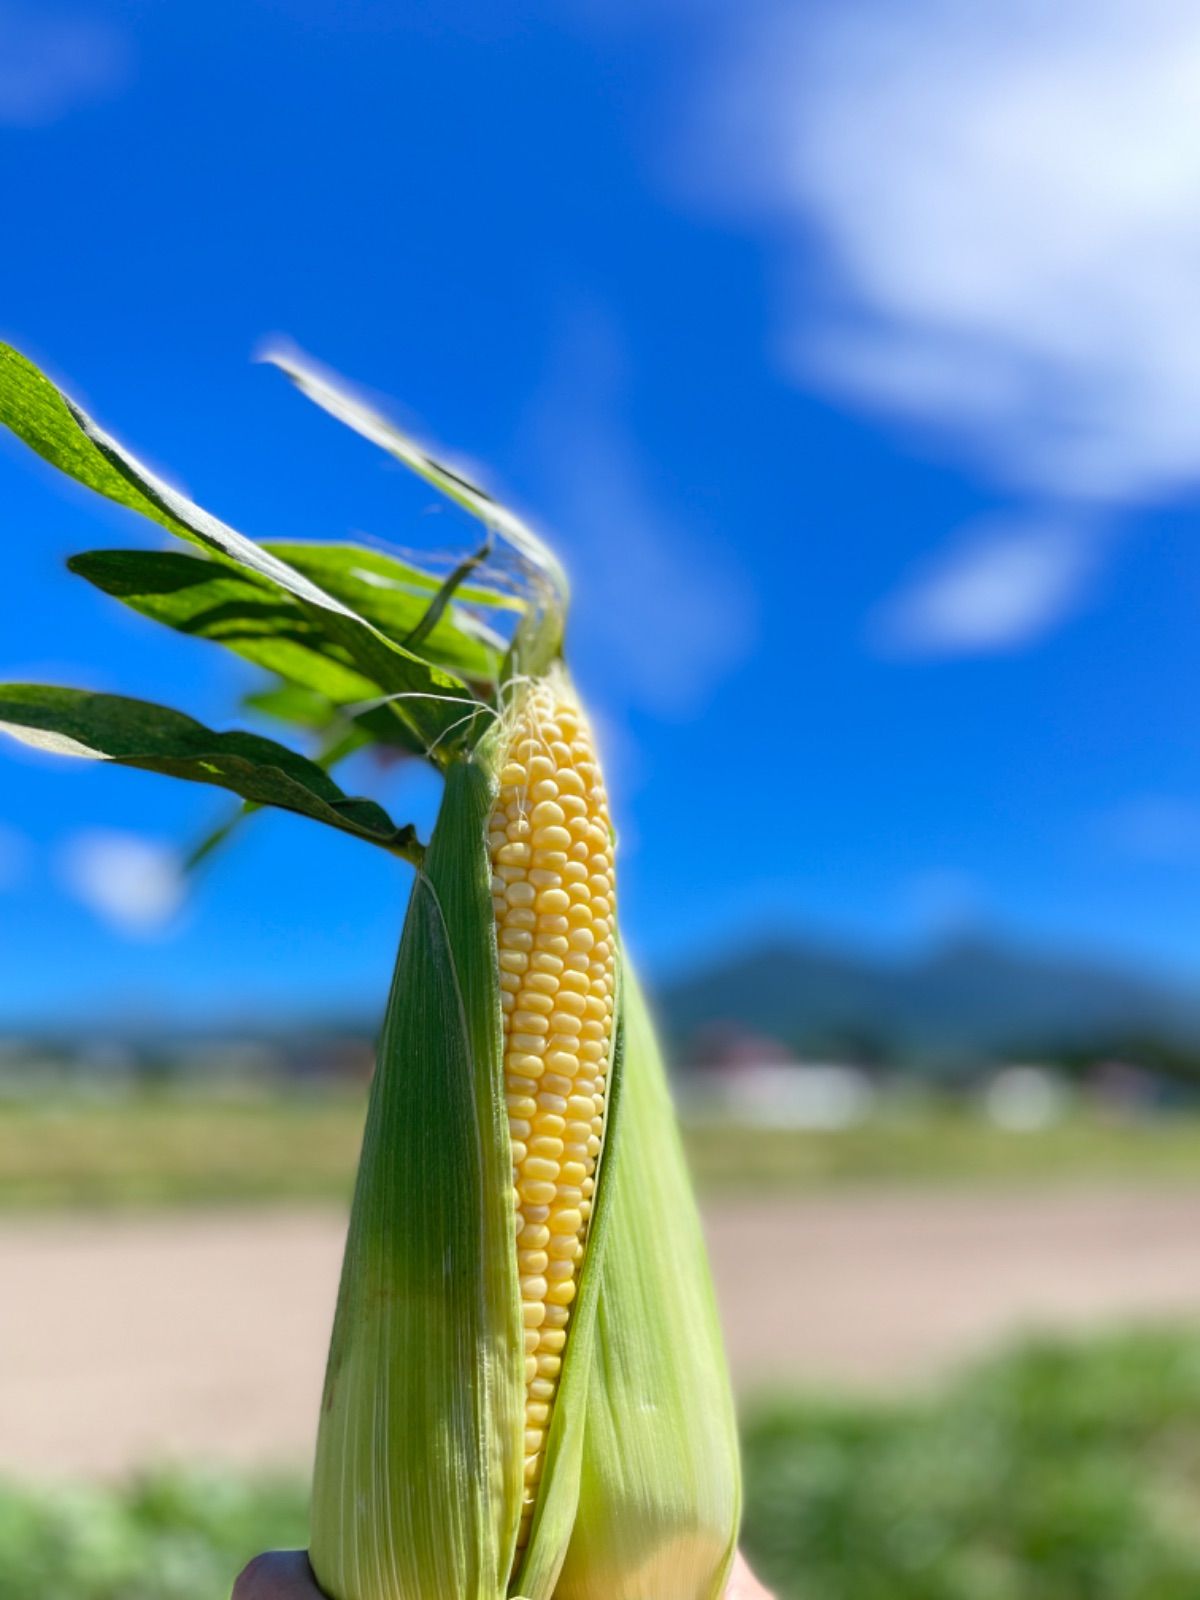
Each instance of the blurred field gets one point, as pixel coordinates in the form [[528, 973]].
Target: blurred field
[[151, 1152], [169, 1268], [199, 1334], [1061, 1472], [74, 1153]]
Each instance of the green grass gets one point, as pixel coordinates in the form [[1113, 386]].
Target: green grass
[[172, 1151], [177, 1536], [1060, 1472], [168, 1151], [948, 1147]]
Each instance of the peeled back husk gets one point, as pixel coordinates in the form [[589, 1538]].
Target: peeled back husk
[[417, 1483], [660, 1494]]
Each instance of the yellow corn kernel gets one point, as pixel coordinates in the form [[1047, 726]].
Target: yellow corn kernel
[[550, 846]]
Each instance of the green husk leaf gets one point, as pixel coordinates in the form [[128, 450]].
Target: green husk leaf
[[210, 600], [209, 843], [660, 1496], [331, 562], [343, 743], [428, 698], [419, 1461], [397, 606], [136, 733], [255, 620], [333, 396], [296, 706], [310, 712], [538, 639], [213, 601]]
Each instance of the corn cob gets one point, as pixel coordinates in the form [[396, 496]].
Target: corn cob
[[551, 849], [526, 1393]]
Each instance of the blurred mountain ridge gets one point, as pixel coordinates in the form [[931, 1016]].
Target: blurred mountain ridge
[[970, 998], [973, 992]]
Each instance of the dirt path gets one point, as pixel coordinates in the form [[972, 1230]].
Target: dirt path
[[202, 1335]]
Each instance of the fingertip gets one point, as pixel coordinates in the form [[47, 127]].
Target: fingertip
[[276, 1575], [743, 1585]]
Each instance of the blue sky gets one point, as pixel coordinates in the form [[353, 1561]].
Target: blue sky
[[850, 354]]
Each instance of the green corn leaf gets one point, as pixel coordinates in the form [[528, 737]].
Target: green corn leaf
[[209, 843], [539, 636], [135, 733], [338, 746], [373, 587], [296, 706], [660, 1496], [331, 562], [310, 712], [212, 601], [334, 397], [419, 1459], [427, 698]]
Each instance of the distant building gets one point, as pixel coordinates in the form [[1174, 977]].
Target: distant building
[[758, 1082], [1025, 1098]]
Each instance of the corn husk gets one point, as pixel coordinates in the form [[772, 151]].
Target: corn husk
[[660, 1496], [417, 1481]]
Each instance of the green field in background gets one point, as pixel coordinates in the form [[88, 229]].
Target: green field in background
[[171, 1151], [1061, 1472]]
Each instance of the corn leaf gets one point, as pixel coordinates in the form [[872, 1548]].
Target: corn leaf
[[217, 602], [660, 1495], [335, 397], [419, 1461], [343, 739], [538, 638], [397, 606], [135, 733], [256, 621], [296, 706], [427, 698], [329, 562], [307, 711], [207, 845]]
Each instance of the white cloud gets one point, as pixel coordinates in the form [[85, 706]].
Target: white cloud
[[1156, 828], [670, 609], [132, 882], [982, 224], [998, 585], [54, 61], [1003, 197]]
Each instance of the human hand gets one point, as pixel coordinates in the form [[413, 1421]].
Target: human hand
[[743, 1585], [286, 1575]]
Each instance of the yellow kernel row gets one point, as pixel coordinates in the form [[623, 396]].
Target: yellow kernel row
[[550, 846]]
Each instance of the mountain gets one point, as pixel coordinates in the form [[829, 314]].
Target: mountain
[[972, 994], [966, 998]]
